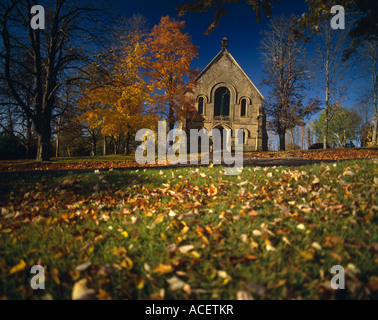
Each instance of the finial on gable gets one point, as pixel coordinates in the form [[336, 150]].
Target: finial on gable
[[224, 43]]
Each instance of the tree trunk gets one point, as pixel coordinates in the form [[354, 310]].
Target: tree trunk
[[282, 137], [325, 131], [43, 130], [127, 144], [374, 140], [58, 138], [375, 87], [309, 138], [28, 138], [326, 119], [93, 144], [171, 120], [105, 146], [116, 145], [171, 123]]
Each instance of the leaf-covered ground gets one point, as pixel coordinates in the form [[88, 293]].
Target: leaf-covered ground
[[120, 161], [192, 233], [329, 154]]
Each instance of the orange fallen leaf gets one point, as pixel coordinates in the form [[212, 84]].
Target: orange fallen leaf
[[253, 213]]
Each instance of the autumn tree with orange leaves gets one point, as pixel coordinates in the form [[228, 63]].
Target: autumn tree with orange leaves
[[167, 66]]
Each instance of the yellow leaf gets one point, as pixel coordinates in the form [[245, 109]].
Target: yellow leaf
[[125, 234], [54, 275], [163, 269], [280, 283], [74, 274], [17, 268], [185, 230], [194, 254], [140, 285], [254, 245], [119, 251], [127, 263], [308, 254]]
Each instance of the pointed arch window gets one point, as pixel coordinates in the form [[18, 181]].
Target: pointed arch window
[[200, 106], [222, 102], [243, 108], [245, 136]]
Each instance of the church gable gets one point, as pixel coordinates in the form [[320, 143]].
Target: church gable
[[224, 69], [226, 98]]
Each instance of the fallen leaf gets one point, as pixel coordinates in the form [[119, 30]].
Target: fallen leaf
[[256, 288], [171, 247], [163, 269], [127, 263], [81, 291], [286, 241], [175, 283], [301, 226], [336, 256], [83, 266], [171, 213], [373, 283], [253, 213], [103, 295], [256, 233], [54, 275], [185, 249], [308, 254], [243, 295], [17, 268]]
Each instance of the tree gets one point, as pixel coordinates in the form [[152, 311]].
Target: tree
[[310, 128], [259, 6], [54, 53], [286, 73], [344, 126], [366, 12], [364, 104], [115, 98], [369, 56], [13, 119], [329, 47], [294, 135], [168, 68]]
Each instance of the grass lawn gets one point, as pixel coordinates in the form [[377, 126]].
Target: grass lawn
[[192, 233]]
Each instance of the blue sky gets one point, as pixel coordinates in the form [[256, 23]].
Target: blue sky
[[239, 26]]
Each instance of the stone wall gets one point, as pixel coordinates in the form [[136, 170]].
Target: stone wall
[[224, 71]]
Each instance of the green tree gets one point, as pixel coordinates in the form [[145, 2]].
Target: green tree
[[343, 127]]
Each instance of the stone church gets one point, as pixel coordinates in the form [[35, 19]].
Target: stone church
[[227, 99]]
